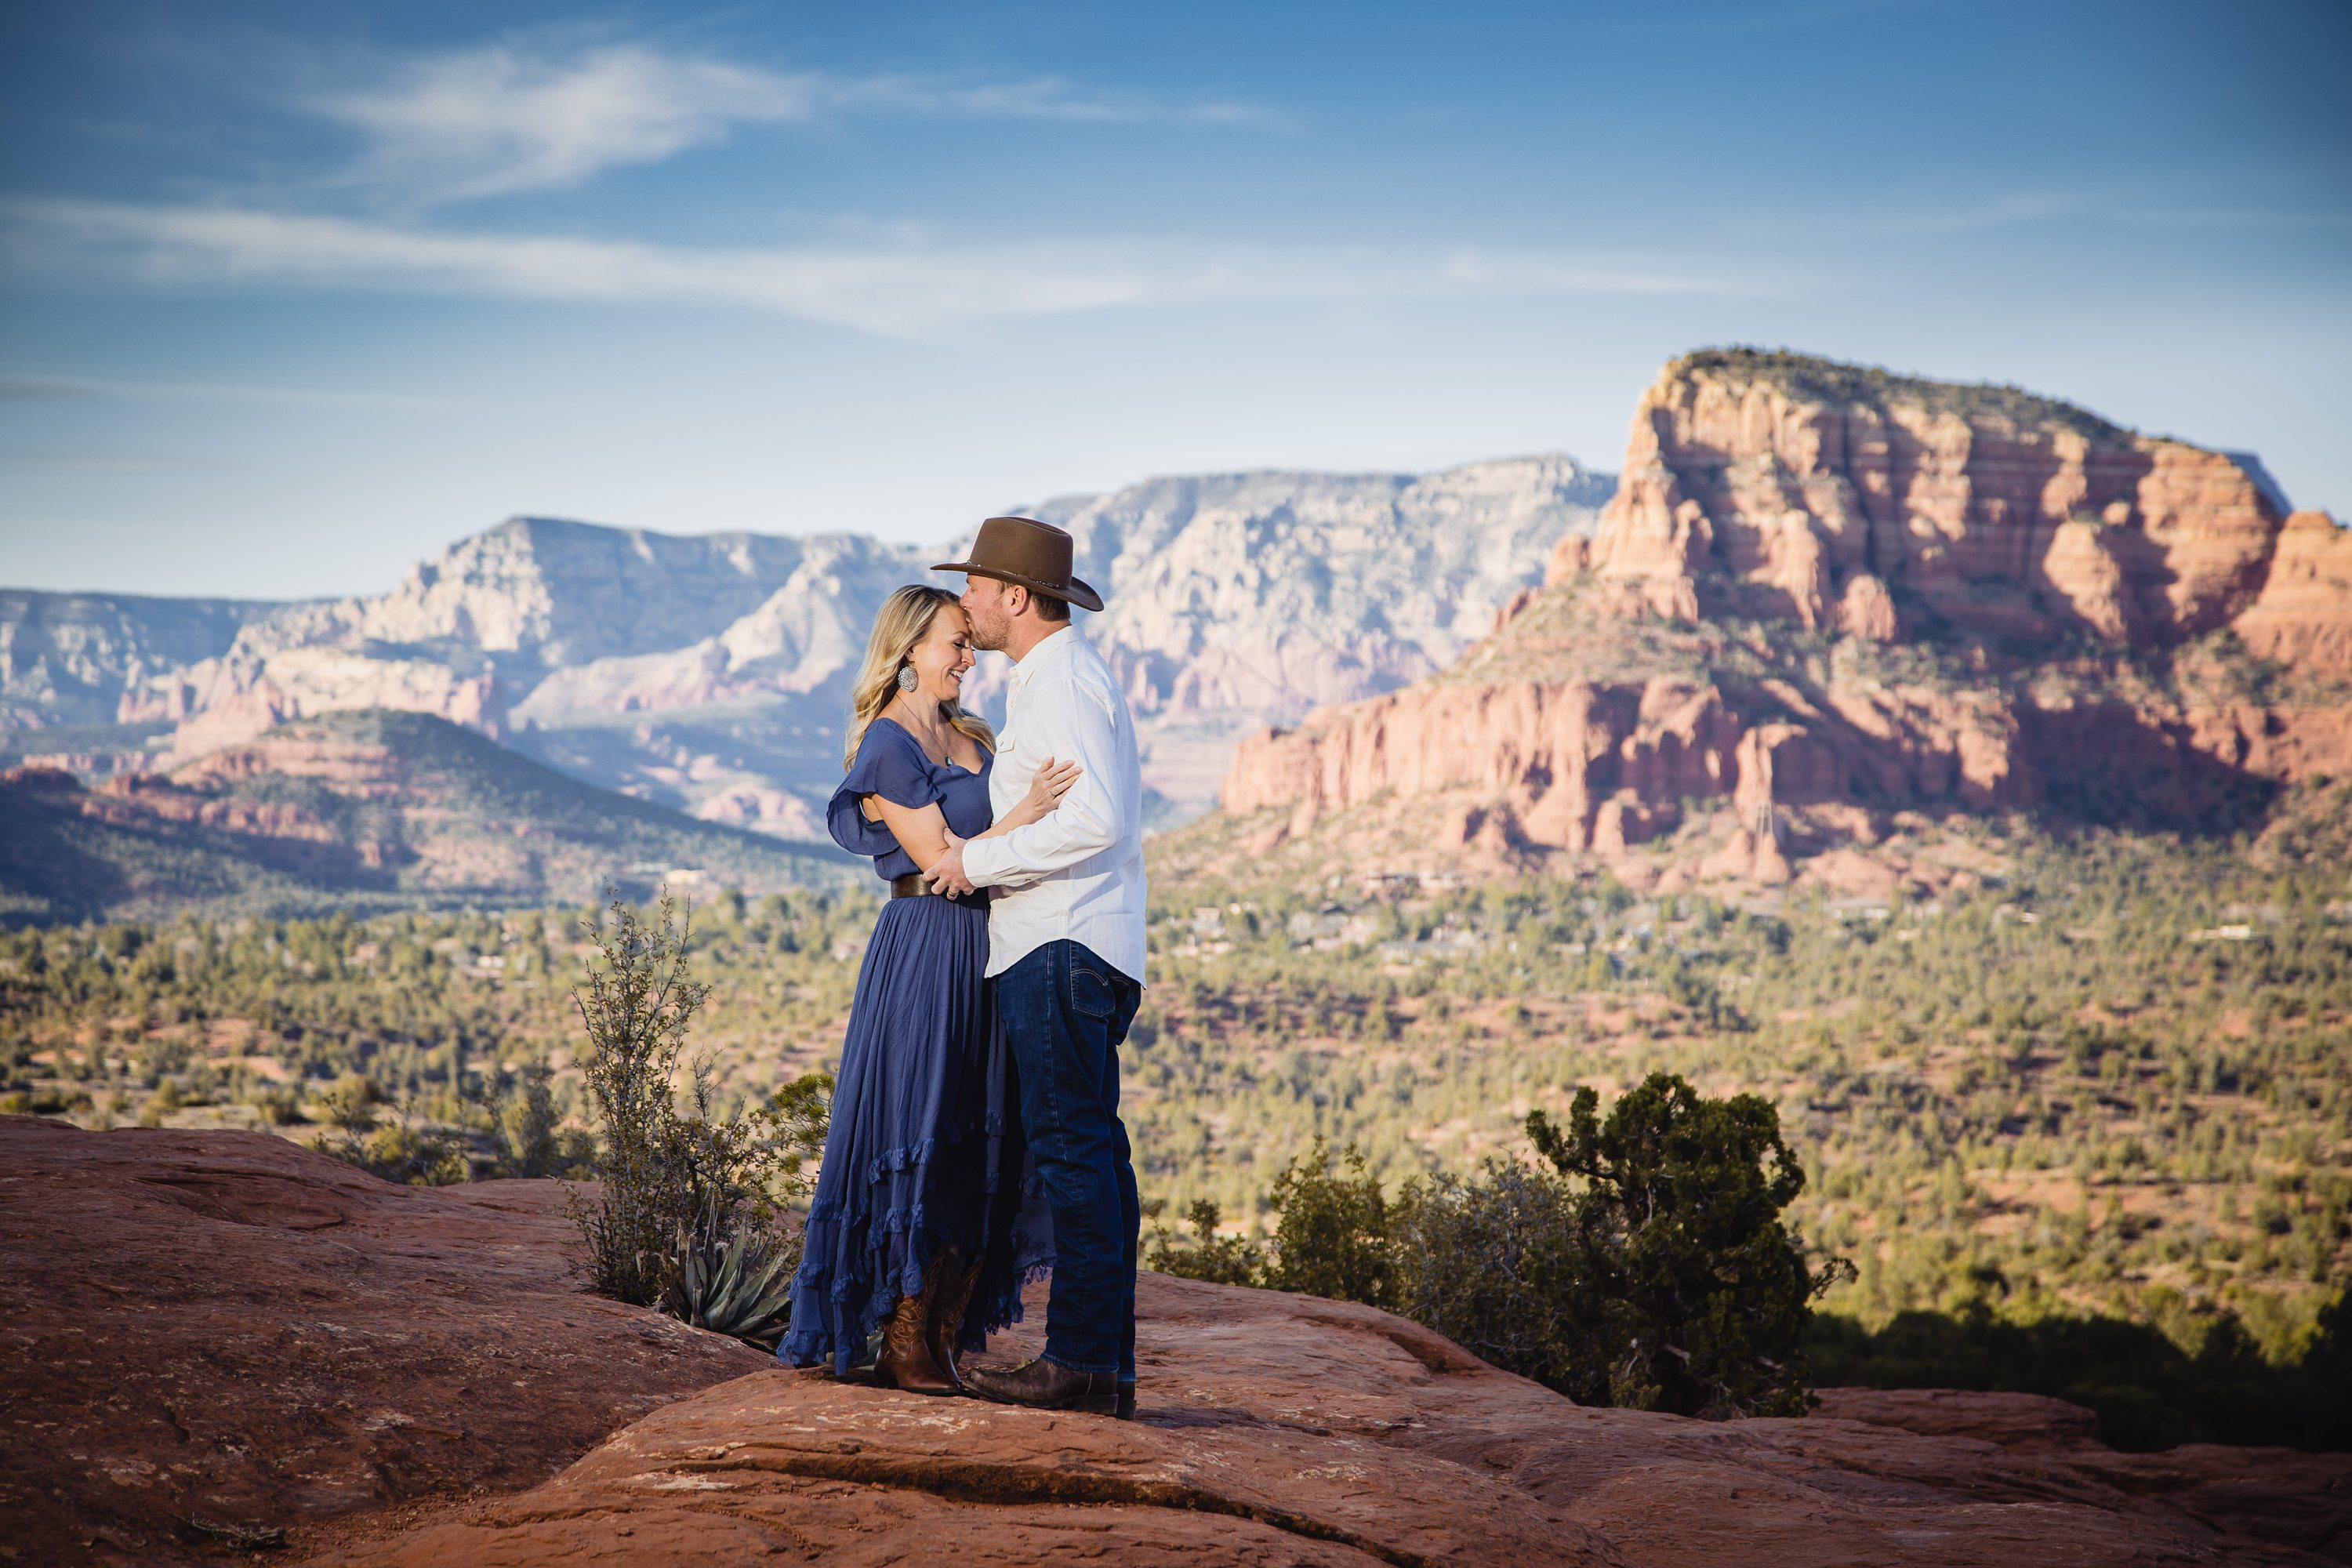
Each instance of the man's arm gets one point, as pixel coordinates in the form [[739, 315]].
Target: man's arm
[[1070, 722]]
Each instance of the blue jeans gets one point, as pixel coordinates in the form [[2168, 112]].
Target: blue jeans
[[1065, 1012]]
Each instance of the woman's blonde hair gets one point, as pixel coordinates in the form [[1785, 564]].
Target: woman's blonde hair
[[905, 621]]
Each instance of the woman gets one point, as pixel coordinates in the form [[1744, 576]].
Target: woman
[[918, 1224]]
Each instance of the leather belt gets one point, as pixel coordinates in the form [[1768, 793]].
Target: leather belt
[[912, 886]]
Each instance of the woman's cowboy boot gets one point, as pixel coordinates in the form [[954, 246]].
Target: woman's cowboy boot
[[906, 1361], [955, 1281]]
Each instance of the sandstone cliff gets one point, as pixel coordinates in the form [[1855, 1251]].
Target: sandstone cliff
[[1825, 602], [222, 1342], [1788, 485]]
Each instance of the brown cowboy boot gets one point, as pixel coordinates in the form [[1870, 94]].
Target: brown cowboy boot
[[956, 1280], [1042, 1385], [906, 1361]]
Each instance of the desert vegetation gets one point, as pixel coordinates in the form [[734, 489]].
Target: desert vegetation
[[2105, 1084], [687, 1214], [1647, 1267]]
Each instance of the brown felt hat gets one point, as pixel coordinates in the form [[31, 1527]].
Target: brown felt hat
[[1035, 554]]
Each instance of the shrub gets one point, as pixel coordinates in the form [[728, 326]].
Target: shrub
[[408, 1153], [1648, 1268], [1332, 1238], [351, 1103], [1490, 1263], [280, 1105], [672, 1180], [1700, 1292], [2149, 1392], [1219, 1260]]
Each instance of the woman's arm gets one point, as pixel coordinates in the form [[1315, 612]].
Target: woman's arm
[[922, 830]]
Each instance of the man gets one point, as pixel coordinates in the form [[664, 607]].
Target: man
[[1065, 949]]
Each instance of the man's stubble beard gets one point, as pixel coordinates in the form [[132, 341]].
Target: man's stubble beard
[[988, 632]]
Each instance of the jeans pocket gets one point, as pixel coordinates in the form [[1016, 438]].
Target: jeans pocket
[[1090, 993]]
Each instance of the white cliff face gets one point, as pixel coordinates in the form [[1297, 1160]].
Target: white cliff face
[[1283, 592], [803, 637], [529, 595], [566, 593], [711, 671], [67, 658]]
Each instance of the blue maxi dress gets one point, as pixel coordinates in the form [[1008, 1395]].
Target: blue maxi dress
[[924, 1150]]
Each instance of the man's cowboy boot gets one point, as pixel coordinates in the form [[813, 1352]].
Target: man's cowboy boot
[[1126, 1411], [906, 1361], [1042, 1385], [956, 1280]]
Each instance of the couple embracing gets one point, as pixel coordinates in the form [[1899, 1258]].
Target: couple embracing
[[975, 1141]]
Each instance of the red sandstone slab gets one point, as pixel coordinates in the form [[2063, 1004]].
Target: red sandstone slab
[[223, 1328], [218, 1327]]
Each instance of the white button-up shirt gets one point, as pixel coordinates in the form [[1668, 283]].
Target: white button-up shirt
[[1076, 874]]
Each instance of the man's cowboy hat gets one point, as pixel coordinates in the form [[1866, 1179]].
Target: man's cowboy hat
[[1035, 554]]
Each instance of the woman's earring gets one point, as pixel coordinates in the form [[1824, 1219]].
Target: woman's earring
[[907, 678]]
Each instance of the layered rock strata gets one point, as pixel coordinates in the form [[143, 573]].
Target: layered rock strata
[[361, 809], [1236, 599], [1822, 597], [1826, 490]]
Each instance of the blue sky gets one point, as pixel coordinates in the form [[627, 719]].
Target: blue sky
[[293, 294]]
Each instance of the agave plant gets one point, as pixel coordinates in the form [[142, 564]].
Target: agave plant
[[740, 1286]]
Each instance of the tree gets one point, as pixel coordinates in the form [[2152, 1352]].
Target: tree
[[1702, 1292]]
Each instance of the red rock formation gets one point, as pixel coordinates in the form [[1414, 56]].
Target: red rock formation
[[232, 704], [217, 1332], [1999, 513], [1995, 533], [223, 1328], [1286, 1429], [279, 833], [1597, 766], [54, 783], [2304, 614]]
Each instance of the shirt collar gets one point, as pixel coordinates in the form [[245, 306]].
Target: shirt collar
[[1055, 646]]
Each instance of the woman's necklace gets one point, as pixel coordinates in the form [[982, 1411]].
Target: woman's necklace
[[932, 736]]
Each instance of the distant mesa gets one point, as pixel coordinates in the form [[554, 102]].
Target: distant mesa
[[1772, 485], [1823, 609], [710, 673], [1827, 607]]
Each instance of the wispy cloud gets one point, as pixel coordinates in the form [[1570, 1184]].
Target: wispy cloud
[[904, 290], [2234, 218], [50, 388], [43, 389], [513, 116], [1913, 214], [101, 462], [1974, 214]]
